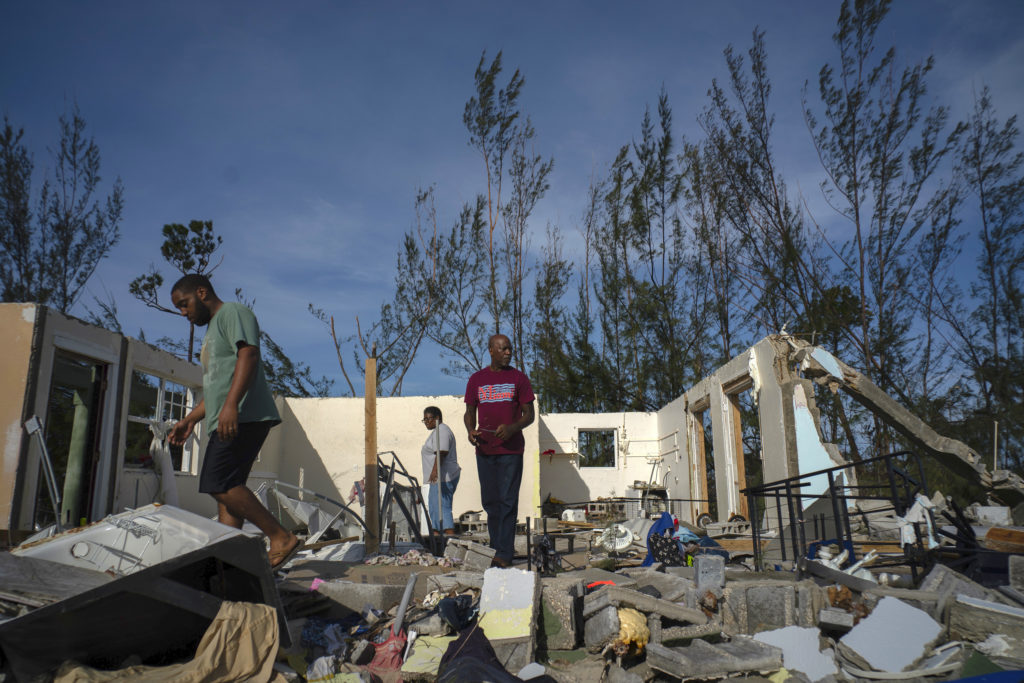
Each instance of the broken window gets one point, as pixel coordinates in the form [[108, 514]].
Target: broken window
[[597, 447], [155, 400], [73, 414]]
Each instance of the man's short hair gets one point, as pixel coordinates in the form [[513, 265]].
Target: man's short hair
[[435, 411], [191, 282]]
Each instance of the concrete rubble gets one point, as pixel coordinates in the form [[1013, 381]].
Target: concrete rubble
[[845, 588], [617, 622]]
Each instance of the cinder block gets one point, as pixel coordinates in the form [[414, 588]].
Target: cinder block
[[672, 588], [472, 555], [753, 606], [562, 621], [624, 597], [835, 619], [710, 573], [601, 628], [702, 660]]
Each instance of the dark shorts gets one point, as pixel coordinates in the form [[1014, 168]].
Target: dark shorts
[[226, 464]]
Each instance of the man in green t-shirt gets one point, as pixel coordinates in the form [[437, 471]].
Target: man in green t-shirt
[[238, 407]]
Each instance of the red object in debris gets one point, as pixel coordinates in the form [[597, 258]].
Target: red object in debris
[[600, 583], [388, 655]]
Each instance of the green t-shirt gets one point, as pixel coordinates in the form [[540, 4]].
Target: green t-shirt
[[233, 323]]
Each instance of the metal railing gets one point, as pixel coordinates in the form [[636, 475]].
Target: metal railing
[[786, 497]]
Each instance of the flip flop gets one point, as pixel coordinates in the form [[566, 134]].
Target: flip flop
[[283, 556]]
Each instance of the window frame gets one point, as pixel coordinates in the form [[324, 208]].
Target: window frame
[[190, 449], [582, 462]]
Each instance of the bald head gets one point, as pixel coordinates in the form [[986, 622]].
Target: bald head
[[500, 349]]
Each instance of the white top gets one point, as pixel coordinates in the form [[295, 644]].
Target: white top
[[440, 439]]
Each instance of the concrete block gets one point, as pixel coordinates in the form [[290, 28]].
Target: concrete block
[[801, 651], [592, 574], [1015, 564], [949, 584], [871, 642], [624, 597], [701, 659], [993, 515], [355, 596], [835, 619], [710, 573], [672, 588], [509, 602], [561, 624], [753, 606], [601, 628], [975, 620], [455, 581], [472, 555]]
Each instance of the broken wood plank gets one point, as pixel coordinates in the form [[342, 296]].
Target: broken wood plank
[[1004, 539]]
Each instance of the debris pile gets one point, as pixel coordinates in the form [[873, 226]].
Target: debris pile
[[160, 593]]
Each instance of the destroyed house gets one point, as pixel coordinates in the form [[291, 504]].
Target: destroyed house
[[104, 400]]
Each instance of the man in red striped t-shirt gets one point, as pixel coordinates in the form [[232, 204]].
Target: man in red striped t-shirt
[[499, 406]]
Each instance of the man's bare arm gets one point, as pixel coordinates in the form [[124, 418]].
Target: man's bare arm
[[181, 431], [470, 420]]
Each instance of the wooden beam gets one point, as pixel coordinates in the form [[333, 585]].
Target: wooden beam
[[370, 420]]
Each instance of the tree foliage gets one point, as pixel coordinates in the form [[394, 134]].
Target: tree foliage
[[48, 256]]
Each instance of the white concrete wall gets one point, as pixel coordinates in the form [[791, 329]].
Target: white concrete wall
[[678, 472], [320, 446], [562, 477]]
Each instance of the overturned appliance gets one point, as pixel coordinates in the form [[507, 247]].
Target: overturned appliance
[[147, 582]]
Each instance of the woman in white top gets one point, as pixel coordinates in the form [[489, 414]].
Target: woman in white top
[[440, 446]]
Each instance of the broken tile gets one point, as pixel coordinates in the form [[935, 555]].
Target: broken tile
[[801, 651], [892, 621]]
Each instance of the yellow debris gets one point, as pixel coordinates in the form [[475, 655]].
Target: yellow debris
[[633, 628]]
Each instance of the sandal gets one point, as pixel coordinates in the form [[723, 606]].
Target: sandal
[[279, 558]]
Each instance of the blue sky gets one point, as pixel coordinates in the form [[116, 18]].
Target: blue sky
[[303, 130]]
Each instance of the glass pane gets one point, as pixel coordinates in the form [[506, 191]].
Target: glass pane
[[597, 448], [143, 396]]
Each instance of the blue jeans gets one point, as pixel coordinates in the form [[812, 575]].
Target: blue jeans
[[500, 477], [447, 494]]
